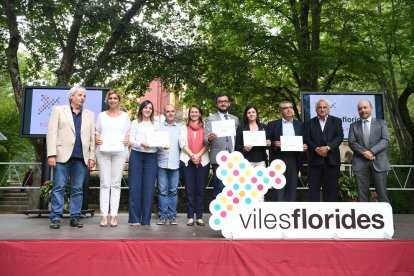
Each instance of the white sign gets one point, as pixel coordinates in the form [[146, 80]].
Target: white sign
[[224, 128], [310, 220], [158, 139], [342, 107], [291, 143], [112, 143], [239, 214], [254, 138], [44, 99]]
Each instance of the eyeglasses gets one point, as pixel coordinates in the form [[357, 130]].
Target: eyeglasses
[[221, 102]]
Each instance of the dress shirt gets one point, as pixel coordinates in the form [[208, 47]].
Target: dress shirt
[[77, 121], [369, 120], [322, 122], [224, 118], [288, 129], [170, 158]]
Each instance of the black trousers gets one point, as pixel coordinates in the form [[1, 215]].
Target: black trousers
[[325, 177]]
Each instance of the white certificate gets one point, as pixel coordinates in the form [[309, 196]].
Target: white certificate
[[224, 128], [158, 139], [291, 143], [112, 143], [254, 138]]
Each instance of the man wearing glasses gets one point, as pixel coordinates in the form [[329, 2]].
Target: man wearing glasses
[[219, 143], [286, 126]]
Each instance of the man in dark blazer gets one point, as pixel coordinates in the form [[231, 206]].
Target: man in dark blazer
[[286, 126], [324, 135], [369, 139], [218, 144]]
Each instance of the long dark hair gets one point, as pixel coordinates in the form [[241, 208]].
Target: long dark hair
[[200, 120], [141, 107], [245, 120]]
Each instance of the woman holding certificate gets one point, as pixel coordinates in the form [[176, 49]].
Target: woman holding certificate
[[111, 137], [251, 138], [194, 164], [143, 164]]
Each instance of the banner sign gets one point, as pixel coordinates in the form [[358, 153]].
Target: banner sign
[[238, 213], [311, 220]]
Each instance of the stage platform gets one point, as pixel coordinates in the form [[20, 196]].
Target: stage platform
[[29, 247]]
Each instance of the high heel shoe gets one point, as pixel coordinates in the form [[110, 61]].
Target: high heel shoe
[[114, 222], [104, 222]]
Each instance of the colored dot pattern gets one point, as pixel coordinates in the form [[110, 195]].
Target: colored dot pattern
[[47, 103], [243, 185]]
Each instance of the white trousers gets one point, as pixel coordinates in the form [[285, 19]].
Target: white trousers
[[111, 166]]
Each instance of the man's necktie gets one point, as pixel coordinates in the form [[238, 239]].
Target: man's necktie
[[228, 138], [366, 134]]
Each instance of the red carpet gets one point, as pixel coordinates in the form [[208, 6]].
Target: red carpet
[[131, 257]]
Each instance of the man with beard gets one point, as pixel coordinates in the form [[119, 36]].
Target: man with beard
[[219, 143]]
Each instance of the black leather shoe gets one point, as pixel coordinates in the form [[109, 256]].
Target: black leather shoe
[[55, 224], [76, 222]]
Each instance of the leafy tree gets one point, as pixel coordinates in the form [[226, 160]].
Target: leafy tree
[[88, 42]]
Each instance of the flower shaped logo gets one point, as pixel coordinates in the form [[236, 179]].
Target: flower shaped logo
[[244, 185]]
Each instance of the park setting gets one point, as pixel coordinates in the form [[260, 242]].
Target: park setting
[[170, 91]]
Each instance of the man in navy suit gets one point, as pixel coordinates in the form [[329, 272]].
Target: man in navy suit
[[369, 139], [219, 143], [293, 159], [324, 135]]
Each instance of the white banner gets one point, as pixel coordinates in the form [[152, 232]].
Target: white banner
[[310, 220]]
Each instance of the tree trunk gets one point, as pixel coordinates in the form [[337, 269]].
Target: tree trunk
[[391, 96], [308, 42]]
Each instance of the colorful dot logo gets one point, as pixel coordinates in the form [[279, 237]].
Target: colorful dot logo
[[243, 185]]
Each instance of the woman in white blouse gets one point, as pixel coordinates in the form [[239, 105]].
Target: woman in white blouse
[[194, 164], [111, 136], [143, 164]]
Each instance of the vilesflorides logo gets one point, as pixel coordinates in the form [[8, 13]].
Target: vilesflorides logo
[[240, 214]]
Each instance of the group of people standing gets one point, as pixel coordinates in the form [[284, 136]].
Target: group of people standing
[[191, 152]]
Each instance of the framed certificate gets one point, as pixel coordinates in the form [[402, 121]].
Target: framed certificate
[[254, 138], [224, 128], [158, 139], [291, 143], [112, 143]]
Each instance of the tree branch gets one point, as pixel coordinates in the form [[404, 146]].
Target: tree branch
[[119, 30]]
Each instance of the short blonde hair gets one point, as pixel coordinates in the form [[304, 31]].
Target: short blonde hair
[[110, 92]]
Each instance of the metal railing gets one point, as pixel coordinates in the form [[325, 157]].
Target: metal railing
[[398, 177]]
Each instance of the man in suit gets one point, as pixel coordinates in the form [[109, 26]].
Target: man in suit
[[286, 126], [323, 135], [71, 151], [369, 138], [219, 143]]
